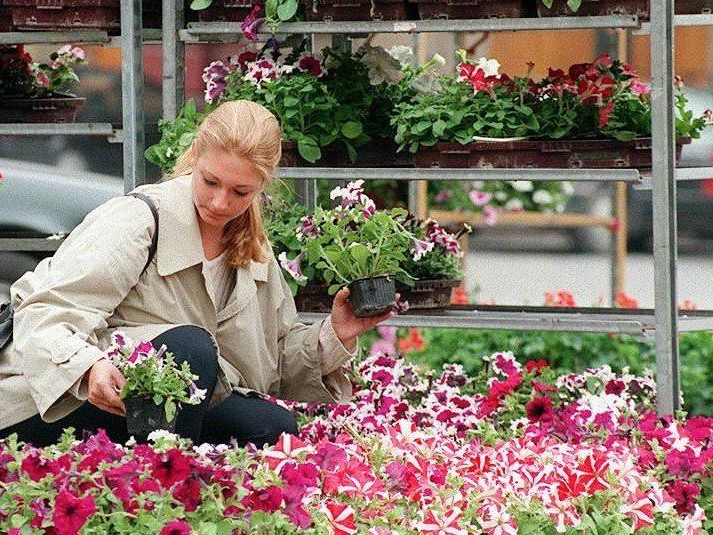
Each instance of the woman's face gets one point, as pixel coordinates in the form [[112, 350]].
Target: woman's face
[[224, 186]]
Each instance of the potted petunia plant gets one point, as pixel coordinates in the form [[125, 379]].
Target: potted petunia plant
[[357, 246], [32, 92], [156, 385]]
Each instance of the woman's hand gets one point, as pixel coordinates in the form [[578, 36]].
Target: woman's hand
[[105, 381], [347, 325]]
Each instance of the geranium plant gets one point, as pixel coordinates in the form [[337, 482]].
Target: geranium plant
[[154, 374]]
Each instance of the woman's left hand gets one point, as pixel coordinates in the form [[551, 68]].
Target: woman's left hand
[[347, 325]]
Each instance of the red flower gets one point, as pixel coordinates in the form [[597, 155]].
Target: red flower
[[170, 467], [605, 114], [615, 387], [684, 494], [414, 342], [562, 298], [38, 467], [71, 513], [534, 366], [625, 301], [310, 64], [475, 76], [540, 409], [188, 492], [459, 296], [268, 500], [176, 527], [245, 58]]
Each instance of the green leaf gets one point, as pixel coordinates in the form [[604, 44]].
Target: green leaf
[[271, 8], [197, 5], [352, 129], [309, 150], [360, 253], [157, 399], [334, 288], [170, 410], [286, 10], [574, 4]]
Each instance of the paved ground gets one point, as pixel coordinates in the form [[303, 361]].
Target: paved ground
[[524, 277]]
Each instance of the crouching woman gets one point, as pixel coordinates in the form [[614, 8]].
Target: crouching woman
[[213, 293]]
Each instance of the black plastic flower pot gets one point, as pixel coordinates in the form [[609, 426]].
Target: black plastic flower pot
[[372, 296], [143, 416]]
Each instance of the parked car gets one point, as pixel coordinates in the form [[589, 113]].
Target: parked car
[[39, 200]]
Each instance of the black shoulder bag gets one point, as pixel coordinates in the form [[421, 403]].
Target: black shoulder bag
[[6, 312]]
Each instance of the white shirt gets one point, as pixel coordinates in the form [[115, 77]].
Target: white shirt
[[219, 279]]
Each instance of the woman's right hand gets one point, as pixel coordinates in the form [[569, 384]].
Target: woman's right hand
[[104, 382]]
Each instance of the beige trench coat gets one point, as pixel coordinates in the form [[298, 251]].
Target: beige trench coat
[[67, 308]]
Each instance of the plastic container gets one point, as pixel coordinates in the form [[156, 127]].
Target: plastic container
[[559, 8], [372, 296], [59, 109], [378, 153], [693, 7], [433, 293], [228, 10], [143, 416], [429, 293], [561, 154], [471, 9], [74, 14], [341, 10]]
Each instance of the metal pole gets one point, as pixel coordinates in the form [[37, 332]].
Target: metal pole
[[132, 91], [664, 206], [413, 185], [173, 59]]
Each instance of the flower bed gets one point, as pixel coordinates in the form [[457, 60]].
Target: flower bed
[[516, 450]]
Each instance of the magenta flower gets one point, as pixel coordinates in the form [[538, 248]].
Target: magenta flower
[[170, 467], [71, 513], [251, 24], [176, 527], [420, 249]]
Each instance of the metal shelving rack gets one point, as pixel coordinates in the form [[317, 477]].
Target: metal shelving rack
[[132, 132], [664, 321]]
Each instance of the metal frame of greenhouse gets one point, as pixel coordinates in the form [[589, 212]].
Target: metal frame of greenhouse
[[664, 321]]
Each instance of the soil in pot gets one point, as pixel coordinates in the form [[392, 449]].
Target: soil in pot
[[143, 416], [372, 296]]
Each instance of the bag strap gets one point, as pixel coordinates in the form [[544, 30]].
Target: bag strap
[[154, 238]]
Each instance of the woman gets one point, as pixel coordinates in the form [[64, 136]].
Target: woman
[[213, 294]]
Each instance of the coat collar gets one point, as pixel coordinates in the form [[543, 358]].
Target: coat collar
[[179, 237]]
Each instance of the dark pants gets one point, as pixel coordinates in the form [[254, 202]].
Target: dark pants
[[245, 419]]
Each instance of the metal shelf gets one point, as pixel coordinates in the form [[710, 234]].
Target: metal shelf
[[89, 37], [231, 30], [703, 19], [682, 174], [409, 173], [65, 129], [640, 322], [30, 244]]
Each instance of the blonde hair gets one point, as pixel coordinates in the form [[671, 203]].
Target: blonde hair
[[248, 130]]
